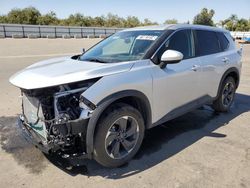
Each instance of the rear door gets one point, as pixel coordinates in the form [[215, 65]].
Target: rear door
[[211, 48]]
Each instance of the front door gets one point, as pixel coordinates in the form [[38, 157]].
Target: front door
[[177, 85]]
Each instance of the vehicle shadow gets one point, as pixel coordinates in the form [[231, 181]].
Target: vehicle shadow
[[24, 153], [162, 142]]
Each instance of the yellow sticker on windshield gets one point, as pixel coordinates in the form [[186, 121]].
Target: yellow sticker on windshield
[[146, 37]]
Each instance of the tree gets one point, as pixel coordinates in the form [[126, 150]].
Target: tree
[[3, 19], [132, 21], [48, 19], [242, 25], [28, 15], [233, 23], [16, 16], [146, 22], [31, 15], [113, 20], [171, 21], [99, 21], [75, 20], [204, 17]]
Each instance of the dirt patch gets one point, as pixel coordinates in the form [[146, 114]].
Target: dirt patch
[[23, 152]]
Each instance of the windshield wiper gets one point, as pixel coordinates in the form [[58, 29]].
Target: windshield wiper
[[94, 59]]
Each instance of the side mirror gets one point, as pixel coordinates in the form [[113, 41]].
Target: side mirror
[[83, 50], [170, 57]]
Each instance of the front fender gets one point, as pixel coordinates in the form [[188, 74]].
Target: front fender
[[104, 104]]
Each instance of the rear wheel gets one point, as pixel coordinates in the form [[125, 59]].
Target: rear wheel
[[119, 135], [226, 95]]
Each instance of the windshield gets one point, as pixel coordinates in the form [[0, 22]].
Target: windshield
[[122, 46]]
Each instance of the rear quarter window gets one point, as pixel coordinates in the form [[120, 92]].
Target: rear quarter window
[[224, 43], [207, 42]]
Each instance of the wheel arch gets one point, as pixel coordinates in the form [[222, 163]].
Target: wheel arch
[[233, 72], [134, 98]]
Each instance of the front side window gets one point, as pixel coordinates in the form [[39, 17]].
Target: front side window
[[181, 41], [122, 46], [207, 42]]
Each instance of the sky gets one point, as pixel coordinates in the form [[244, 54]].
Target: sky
[[155, 10]]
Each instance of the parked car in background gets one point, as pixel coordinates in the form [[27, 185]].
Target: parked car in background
[[99, 104]]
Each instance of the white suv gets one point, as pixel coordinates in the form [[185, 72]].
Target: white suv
[[99, 104]]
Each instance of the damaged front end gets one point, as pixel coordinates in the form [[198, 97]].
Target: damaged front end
[[55, 119]]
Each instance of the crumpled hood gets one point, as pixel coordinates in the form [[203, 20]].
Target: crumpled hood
[[64, 70]]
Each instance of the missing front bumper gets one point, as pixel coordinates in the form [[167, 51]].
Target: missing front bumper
[[34, 138], [76, 127]]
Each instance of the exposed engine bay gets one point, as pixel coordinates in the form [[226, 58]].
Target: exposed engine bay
[[59, 115]]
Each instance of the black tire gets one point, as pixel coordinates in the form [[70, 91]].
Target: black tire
[[107, 127], [219, 105]]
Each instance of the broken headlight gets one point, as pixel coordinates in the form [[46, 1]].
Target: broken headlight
[[67, 105]]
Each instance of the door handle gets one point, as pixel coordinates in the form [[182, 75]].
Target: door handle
[[225, 60], [195, 67]]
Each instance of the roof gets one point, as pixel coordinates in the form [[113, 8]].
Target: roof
[[175, 27]]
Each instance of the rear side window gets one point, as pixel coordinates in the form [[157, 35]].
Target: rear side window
[[207, 42], [224, 43]]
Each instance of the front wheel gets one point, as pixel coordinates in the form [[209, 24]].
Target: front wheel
[[226, 95], [119, 135]]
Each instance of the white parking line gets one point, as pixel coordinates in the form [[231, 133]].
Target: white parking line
[[39, 55]]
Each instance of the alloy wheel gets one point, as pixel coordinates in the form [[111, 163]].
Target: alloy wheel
[[122, 137], [228, 94]]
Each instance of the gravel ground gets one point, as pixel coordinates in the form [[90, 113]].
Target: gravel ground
[[199, 149]]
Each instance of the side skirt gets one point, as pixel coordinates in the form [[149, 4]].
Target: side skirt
[[184, 109]]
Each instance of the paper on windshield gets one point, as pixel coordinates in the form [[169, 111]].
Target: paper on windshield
[[146, 37]]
